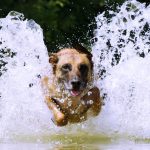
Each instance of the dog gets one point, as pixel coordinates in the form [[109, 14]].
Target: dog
[[69, 91]]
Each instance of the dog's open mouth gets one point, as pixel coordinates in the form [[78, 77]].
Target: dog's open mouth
[[75, 92]]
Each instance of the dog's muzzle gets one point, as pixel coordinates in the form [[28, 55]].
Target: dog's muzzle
[[77, 86]]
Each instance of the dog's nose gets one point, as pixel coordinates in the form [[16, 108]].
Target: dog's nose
[[76, 84]]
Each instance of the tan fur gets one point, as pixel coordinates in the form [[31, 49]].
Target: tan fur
[[65, 107]]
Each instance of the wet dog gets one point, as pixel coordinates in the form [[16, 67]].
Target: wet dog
[[69, 91]]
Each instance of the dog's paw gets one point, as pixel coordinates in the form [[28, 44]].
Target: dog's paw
[[60, 120]]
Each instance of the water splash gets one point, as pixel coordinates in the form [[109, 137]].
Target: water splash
[[23, 57], [121, 55], [122, 65], [23, 62]]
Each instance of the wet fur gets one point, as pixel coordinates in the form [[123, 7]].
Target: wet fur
[[65, 107]]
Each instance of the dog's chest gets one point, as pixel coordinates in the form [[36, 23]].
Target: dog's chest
[[72, 106]]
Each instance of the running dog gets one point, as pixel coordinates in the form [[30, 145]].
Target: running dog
[[69, 91]]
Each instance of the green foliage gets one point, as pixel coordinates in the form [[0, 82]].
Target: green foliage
[[63, 21]]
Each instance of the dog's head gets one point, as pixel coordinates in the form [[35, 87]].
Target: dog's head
[[72, 69]]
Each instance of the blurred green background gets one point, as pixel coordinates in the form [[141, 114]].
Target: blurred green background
[[63, 21]]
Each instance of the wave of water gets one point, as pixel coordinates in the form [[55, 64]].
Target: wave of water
[[23, 57], [122, 61], [121, 56]]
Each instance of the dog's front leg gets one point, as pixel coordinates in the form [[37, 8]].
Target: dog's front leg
[[94, 100], [97, 102], [60, 118]]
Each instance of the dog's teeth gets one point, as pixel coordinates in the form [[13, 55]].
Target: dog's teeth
[[75, 93]]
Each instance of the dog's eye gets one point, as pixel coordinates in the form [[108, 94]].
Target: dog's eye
[[66, 67], [83, 68]]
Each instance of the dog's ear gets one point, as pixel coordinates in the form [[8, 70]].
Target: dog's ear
[[53, 59], [82, 49]]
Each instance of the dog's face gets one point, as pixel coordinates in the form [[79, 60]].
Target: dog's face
[[73, 70]]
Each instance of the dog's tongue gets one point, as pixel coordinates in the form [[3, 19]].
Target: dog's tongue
[[75, 93]]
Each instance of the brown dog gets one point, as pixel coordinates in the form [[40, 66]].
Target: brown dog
[[69, 92]]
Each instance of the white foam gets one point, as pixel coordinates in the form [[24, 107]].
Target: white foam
[[127, 107], [127, 83], [22, 107]]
